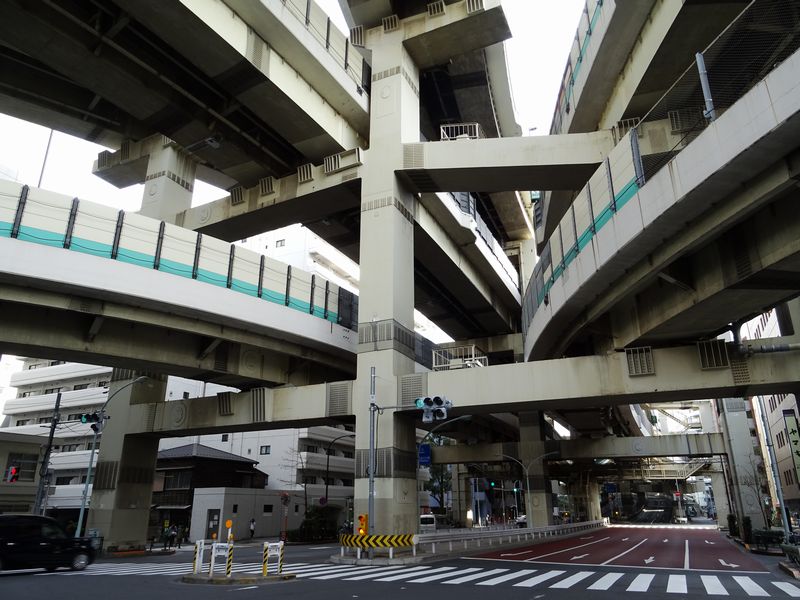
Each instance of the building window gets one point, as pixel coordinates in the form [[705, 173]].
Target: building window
[[297, 508], [266, 480], [74, 417], [235, 508], [45, 419], [80, 386], [280, 243], [185, 395], [25, 463], [224, 437], [267, 509], [53, 363], [309, 479], [25, 394], [265, 450], [64, 479], [312, 449], [52, 390], [23, 422], [102, 384], [177, 480], [33, 366], [249, 451], [347, 454], [71, 447]]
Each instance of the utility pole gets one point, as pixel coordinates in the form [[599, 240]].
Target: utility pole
[[41, 491]]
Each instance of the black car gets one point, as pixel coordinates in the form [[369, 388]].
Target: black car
[[30, 541]]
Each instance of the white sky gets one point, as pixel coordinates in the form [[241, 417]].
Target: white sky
[[542, 31]]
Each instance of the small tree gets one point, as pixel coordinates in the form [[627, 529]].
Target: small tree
[[754, 479], [441, 479]]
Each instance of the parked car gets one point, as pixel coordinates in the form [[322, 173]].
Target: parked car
[[521, 521], [30, 541], [427, 523]]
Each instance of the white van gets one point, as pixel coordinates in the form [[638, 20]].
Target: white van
[[427, 523]]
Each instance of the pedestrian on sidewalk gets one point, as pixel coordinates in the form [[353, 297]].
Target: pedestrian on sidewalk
[[252, 528]]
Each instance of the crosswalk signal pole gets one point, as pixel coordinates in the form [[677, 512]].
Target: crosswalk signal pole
[[373, 408]]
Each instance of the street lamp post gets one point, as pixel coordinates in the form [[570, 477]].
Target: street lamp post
[[95, 429], [328, 460], [528, 503]]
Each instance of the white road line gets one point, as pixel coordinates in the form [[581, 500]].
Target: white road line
[[327, 570], [444, 575], [321, 548], [713, 585], [507, 577], [750, 586], [346, 573], [539, 578], [790, 589], [641, 583], [632, 548], [467, 578], [686, 556], [570, 549], [372, 571], [572, 580], [606, 581], [373, 575], [676, 584], [400, 576]]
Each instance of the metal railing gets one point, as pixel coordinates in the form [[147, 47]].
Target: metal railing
[[464, 539], [459, 357], [461, 131]]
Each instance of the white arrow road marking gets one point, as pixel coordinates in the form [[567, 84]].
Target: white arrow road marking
[[712, 543], [647, 561], [625, 539], [665, 540], [724, 564], [587, 537], [579, 556], [613, 558], [517, 553]]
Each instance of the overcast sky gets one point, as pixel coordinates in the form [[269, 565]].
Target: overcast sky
[[542, 31]]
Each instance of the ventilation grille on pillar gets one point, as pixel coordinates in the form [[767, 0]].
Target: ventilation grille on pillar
[[221, 358], [237, 196], [474, 6], [686, 119], [104, 159], [412, 387], [640, 361], [125, 150], [259, 405], [339, 399], [713, 354], [105, 477], [357, 36], [413, 156], [436, 8], [333, 163], [266, 186], [224, 404], [734, 405], [305, 173], [391, 23], [740, 371]]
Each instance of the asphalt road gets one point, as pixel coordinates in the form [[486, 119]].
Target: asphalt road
[[613, 566]]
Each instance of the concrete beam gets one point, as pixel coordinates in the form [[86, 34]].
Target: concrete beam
[[609, 447], [556, 162]]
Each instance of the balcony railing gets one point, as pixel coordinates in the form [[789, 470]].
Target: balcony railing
[[461, 131]]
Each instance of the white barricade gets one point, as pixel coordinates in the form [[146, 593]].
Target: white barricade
[[272, 549]]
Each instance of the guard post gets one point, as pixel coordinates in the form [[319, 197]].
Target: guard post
[[272, 549], [229, 563], [197, 561]]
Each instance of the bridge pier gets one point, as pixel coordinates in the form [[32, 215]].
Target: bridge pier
[[539, 498], [169, 182], [123, 477], [386, 303]]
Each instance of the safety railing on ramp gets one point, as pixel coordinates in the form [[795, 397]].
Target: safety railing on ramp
[[465, 539]]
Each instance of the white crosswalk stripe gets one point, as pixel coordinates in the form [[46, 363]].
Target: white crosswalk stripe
[[675, 584]]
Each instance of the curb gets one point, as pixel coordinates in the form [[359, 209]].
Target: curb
[[236, 579]]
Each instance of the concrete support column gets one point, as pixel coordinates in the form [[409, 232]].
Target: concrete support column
[[721, 504], [386, 303], [123, 479], [461, 494], [169, 182], [539, 498]]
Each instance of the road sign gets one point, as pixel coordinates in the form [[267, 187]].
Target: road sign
[[228, 523], [424, 454]]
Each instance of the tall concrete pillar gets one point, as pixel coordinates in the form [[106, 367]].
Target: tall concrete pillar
[[721, 502], [539, 498], [123, 480], [169, 182], [386, 302]]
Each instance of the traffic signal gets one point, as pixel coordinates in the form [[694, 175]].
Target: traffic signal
[[96, 419], [434, 408], [363, 524], [13, 474], [491, 483]]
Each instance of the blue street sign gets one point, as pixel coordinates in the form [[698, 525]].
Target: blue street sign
[[424, 455]]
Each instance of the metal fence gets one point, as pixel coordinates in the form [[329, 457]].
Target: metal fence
[[762, 36]]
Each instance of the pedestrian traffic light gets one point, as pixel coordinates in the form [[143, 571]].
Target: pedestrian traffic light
[[434, 408], [491, 483], [13, 474], [363, 524]]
